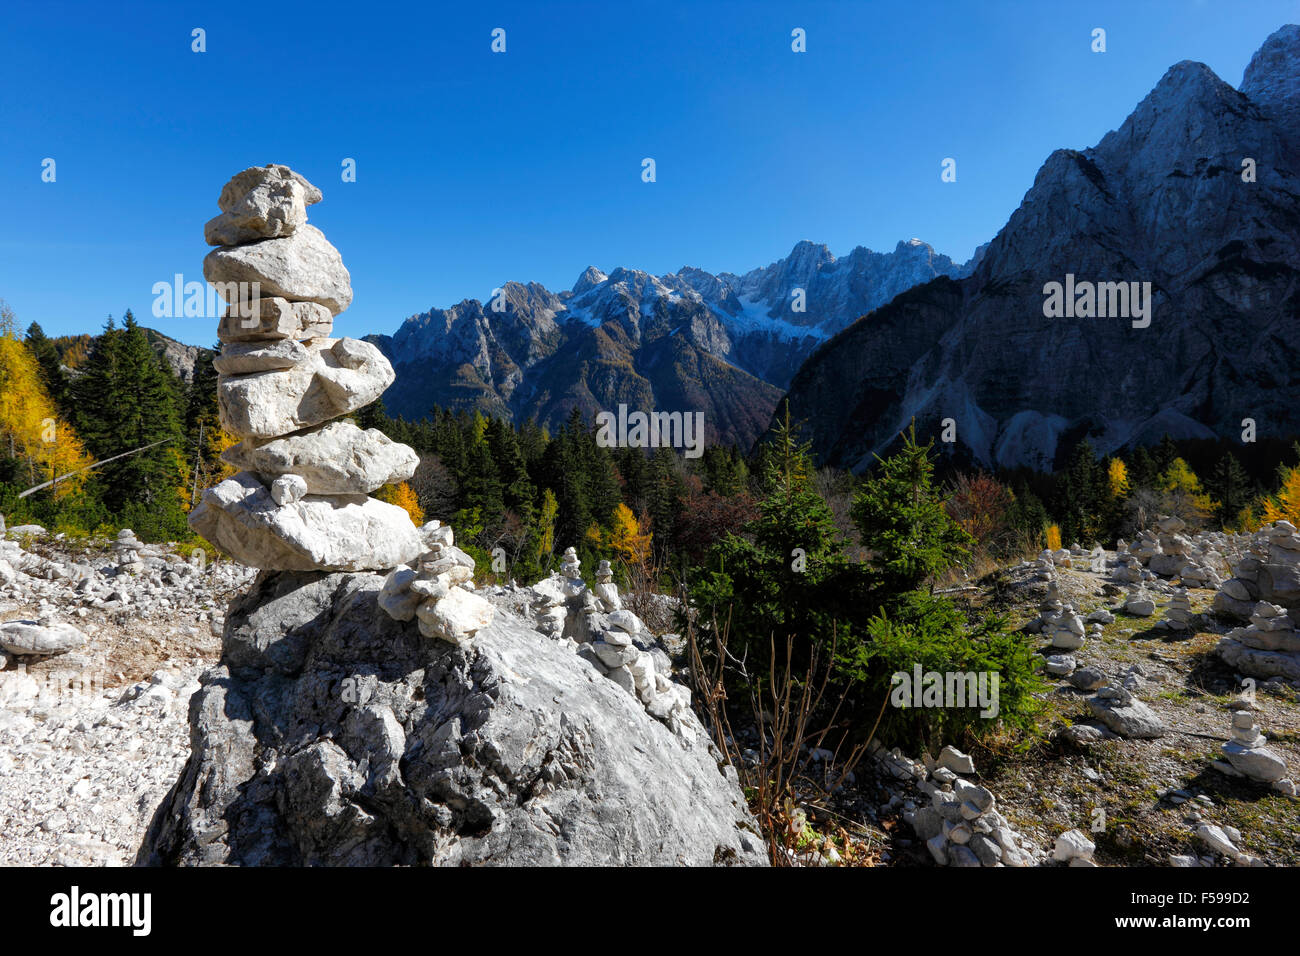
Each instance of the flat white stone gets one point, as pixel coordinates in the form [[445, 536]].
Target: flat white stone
[[330, 533], [336, 458]]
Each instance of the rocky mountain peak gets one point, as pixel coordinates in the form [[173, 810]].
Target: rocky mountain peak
[[590, 278], [1160, 204], [1272, 78], [735, 340]]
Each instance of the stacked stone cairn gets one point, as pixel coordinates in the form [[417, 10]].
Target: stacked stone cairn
[[1044, 566], [129, 551], [1130, 570], [962, 826], [1167, 553], [1060, 623], [1139, 603], [1248, 755], [1265, 589], [611, 638], [606, 590], [1268, 647], [437, 590], [1178, 612], [301, 501]]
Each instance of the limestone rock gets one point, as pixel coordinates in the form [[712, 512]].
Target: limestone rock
[[504, 752], [346, 532], [259, 203], [246, 357], [287, 489], [1072, 845], [273, 317], [1125, 714], [456, 617], [338, 376], [337, 458], [303, 266], [950, 758], [39, 638], [396, 598], [254, 176]]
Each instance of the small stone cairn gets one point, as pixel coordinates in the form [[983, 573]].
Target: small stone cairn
[[1265, 589], [611, 638], [962, 826], [1248, 755]]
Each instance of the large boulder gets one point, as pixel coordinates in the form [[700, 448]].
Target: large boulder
[[332, 734], [335, 532], [336, 377], [301, 267], [338, 458], [1258, 662]]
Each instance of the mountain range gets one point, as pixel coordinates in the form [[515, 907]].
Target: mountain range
[[1196, 193], [726, 345]]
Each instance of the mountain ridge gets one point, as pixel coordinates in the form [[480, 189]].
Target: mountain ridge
[[1162, 200], [724, 344]]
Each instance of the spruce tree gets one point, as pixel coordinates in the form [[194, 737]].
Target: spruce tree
[[53, 377], [129, 399], [1230, 487], [902, 520], [1142, 470], [96, 394]]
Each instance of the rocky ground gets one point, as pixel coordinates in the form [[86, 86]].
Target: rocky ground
[[92, 739], [1153, 795], [1165, 801]]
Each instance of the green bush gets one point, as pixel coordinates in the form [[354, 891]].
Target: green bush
[[922, 631], [878, 615]]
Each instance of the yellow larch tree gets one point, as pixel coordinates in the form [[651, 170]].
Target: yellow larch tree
[[1117, 478], [628, 538], [29, 424], [1285, 505], [403, 495]]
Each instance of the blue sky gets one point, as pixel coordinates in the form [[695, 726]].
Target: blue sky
[[474, 168]]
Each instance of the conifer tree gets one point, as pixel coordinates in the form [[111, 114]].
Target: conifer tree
[[904, 525], [95, 394], [1231, 487], [53, 378], [128, 399], [1142, 470]]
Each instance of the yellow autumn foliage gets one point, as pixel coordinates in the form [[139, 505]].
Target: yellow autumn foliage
[[1183, 494], [1053, 537], [404, 496], [629, 538], [1117, 478], [29, 426], [1285, 505]]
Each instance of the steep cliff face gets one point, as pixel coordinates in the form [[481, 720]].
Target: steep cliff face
[[1161, 200], [724, 345]]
